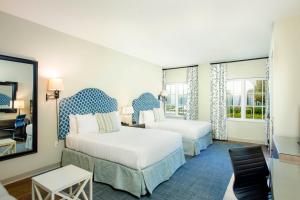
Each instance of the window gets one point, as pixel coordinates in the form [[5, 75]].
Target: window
[[246, 99], [176, 100]]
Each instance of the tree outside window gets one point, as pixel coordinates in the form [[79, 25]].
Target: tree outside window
[[246, 99]]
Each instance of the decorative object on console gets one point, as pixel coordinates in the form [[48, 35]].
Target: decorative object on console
[[55, 85], [127, 112]]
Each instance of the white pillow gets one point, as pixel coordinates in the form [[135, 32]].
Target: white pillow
[[73, 124], [159, 114], [87, 124], [108, 122], [148, 116], [141, 117]]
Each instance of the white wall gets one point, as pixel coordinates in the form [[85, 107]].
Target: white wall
[[237, 130], [176, 75], [286, 77], [204, 92], [81, 64]]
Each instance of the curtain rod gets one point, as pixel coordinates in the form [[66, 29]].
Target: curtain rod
[[180, 67], [232, 61]]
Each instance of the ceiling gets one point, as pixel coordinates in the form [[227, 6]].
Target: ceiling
[[165, 32]]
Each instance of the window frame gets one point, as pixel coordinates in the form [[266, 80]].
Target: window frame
[[176, 115], [244, 100]]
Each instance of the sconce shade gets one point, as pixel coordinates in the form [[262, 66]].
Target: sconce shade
[[18, 104], [127, 110], [163, 93], [55, 84]]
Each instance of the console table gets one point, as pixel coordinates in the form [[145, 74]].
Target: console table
[[287, 149], [285, 180]]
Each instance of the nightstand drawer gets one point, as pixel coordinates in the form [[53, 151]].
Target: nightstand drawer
[[134, 125], [138, 125]]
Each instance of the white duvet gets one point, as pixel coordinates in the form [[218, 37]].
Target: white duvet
[[189, 129], [133, 147]]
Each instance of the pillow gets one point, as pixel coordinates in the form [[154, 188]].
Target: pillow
[[159, 114], [141, 117], [73, 124], [87, 124], [108, 122], [148, 116]]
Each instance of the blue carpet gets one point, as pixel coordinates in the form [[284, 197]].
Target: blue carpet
[[204, 177]]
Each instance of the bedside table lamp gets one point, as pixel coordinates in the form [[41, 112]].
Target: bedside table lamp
[[127, 111], [55, 85], [19, 104], [163, 95]]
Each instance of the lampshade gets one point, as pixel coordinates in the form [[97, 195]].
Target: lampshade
[[18, 104], [163, 93], [55, 84], [127, 110]]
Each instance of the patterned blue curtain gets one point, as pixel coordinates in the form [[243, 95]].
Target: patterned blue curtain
[[192, 95], [218, 101]]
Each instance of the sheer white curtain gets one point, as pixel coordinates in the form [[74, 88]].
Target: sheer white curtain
[[162, 103], [192, 95], [268, 122], [218, 101]]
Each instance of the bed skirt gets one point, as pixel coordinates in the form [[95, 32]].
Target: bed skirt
[[193, 147], [136, 182]]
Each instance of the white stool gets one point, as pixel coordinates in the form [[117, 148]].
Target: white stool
[[56, 181]]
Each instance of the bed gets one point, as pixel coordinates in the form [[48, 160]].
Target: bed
[[196, 135], [28, 144], [131, 159]]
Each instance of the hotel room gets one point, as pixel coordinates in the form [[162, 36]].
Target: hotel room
[[163, 100]]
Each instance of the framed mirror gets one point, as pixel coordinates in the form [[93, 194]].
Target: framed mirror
[[18, 107]]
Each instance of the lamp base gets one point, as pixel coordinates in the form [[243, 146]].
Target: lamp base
[[54, 95]]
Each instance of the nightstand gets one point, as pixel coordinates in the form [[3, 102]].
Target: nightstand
[[134, 125]]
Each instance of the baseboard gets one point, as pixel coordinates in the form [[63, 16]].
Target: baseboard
[[31, 173], [245, 140]]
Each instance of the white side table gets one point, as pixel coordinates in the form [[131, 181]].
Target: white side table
[[56, 181]]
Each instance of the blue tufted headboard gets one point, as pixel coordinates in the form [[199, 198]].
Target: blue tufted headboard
[[90, 100], [4, 100], [146, 101]]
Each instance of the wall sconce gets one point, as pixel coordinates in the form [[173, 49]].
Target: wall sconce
[[55, 85], [18, 104], [163, 95], [127, 111]]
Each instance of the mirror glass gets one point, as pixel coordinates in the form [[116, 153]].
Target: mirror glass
[[17, 113]]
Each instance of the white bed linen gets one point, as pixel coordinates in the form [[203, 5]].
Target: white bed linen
[[133, 147], [29, 129], [189, 129]]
